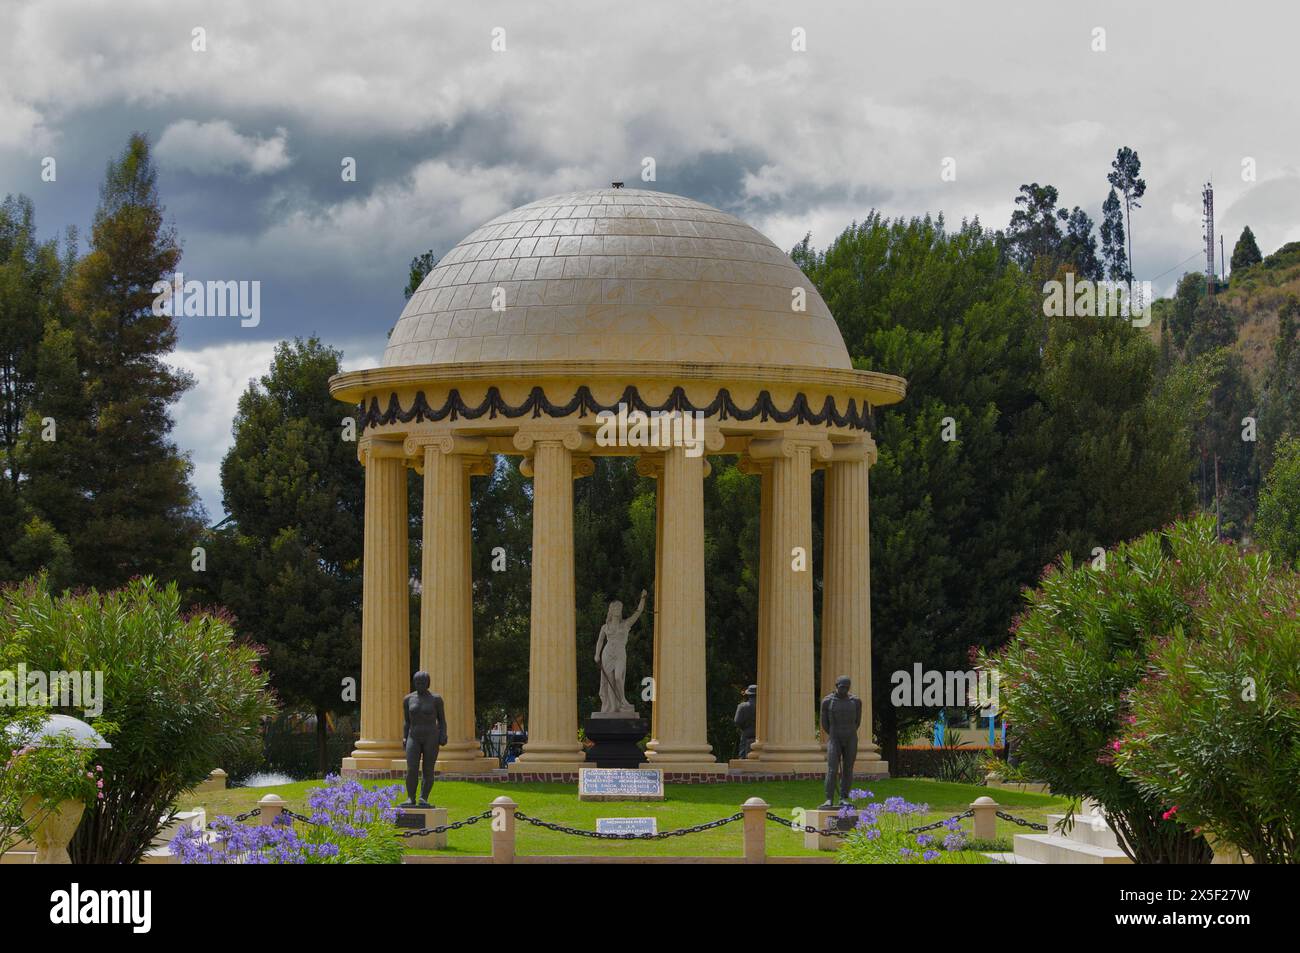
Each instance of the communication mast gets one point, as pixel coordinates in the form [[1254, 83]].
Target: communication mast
[[1207, 201]]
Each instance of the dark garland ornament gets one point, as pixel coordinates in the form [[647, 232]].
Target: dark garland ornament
[[583, 403]]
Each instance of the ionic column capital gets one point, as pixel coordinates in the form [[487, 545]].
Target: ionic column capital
[[449, 443], [375, 448], [863, 448], [652, 464], [788, 444], [573, 439]]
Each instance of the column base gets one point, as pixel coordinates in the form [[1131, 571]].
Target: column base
[[374, 759], [822, 820], [570, 755]]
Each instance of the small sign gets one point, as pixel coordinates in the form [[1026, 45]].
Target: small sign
[[620, 784], [409, 819], [626, 825]]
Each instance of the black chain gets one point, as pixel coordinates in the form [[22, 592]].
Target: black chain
[[604, 835], [808, 829], [938, 824], [803, 828], [298, 817], [1021, 821], [455, 825], [240, 818]]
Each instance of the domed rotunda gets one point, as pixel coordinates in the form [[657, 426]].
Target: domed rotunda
[[630, 323]]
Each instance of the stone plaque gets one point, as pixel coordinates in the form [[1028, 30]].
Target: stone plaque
[[626, 825], [408, 819], [620, 784]]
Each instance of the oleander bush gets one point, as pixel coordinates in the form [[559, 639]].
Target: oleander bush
[[1086, 641], [1215, 724], [185, 692]]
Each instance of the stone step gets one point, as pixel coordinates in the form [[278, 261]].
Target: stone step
[[1003, 857], [1054, 849], [1088, 829]]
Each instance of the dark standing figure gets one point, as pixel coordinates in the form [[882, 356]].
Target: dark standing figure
[[841, 715], [424, 730], [746, 720]]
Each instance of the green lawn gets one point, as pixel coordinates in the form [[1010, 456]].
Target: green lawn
[[685, 805]]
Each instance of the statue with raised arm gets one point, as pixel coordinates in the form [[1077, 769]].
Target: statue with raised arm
[[424, 731], [611, 657]]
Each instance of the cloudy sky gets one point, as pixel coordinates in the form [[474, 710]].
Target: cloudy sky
[[446, 132]]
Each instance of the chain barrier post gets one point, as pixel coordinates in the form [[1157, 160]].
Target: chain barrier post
[[271, 806], [755, 811], [985, 812], [503, 830]]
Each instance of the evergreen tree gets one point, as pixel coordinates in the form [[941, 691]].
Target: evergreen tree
[[421, 265], [1246, 252], [1125, 176], [1044, 239], [1112, 240], [31, 301], [129, 508], [288, 561]]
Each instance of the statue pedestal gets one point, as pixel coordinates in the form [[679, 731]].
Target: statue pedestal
[[614, 737], [419, 818], [825, 820]]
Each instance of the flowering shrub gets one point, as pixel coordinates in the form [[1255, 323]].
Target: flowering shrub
[[1215, 727], [349, 824], [883, 835], [1087, 640]]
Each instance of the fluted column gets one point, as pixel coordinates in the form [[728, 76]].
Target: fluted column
[[446, 605], [763, 470], [680, 724], [552, 653], [846, 589], [385, 624], [791, 740]]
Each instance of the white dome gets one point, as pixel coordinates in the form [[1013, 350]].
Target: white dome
[[616, 275]]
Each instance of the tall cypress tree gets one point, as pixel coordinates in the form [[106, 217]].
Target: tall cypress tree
[[1246, 252], [136, 512]]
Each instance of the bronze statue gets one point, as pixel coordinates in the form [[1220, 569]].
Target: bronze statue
[[747, 720], [424, 731], [840, 717]]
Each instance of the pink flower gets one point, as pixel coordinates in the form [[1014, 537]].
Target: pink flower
[[100, 784], [1169, 814]]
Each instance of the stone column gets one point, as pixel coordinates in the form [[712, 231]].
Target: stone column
[[446, 604], [791, 741], [552, 654], [679, 730], [763, 470], [385, 623], [846, 589]]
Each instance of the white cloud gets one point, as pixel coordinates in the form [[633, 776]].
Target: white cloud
[[204, 414], [212, 148]]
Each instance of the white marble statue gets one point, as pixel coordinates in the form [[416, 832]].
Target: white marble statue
[[611, 656]]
